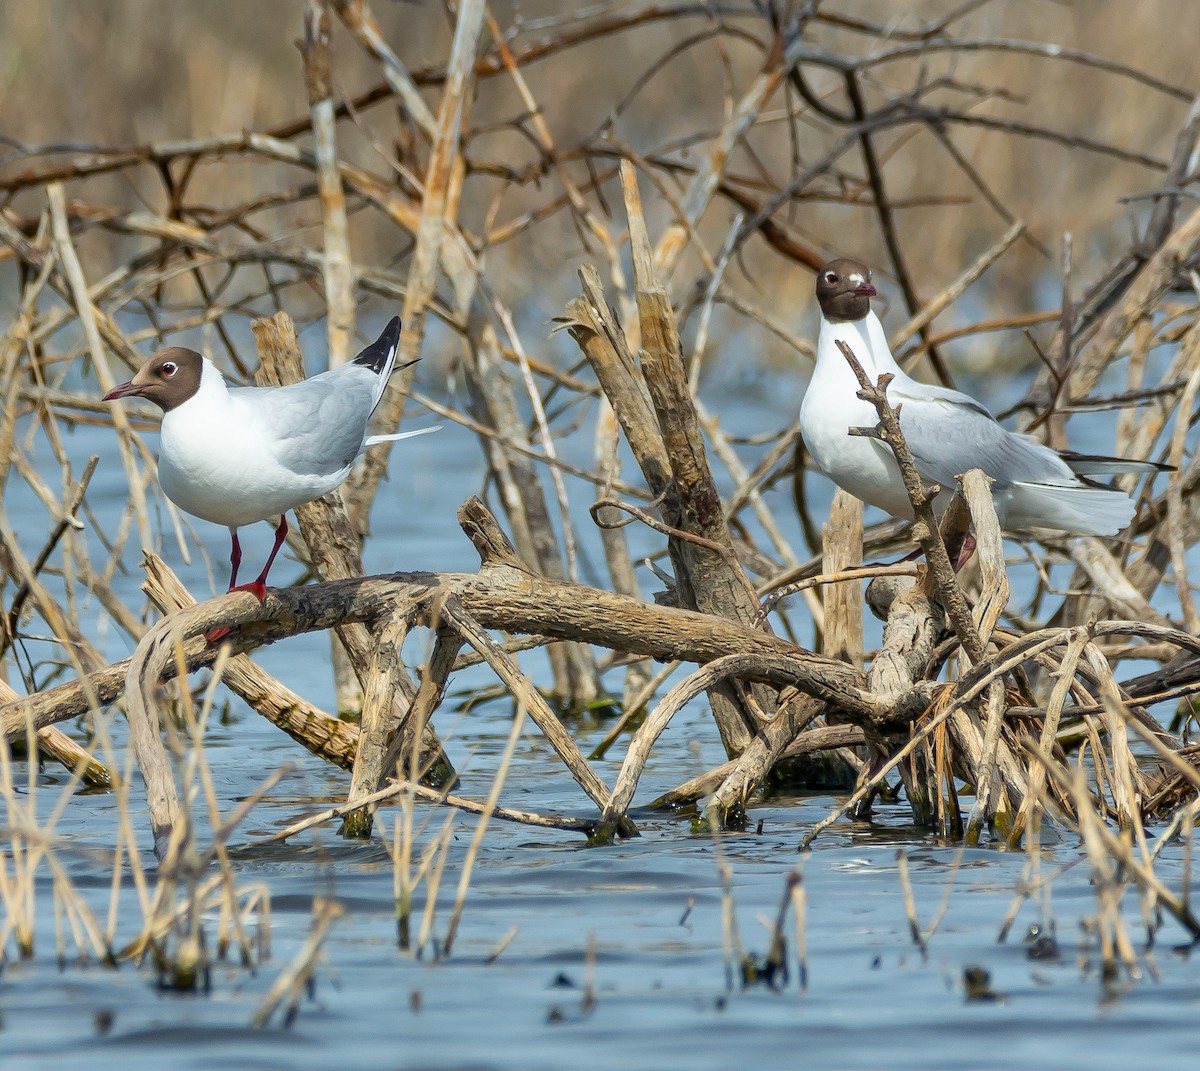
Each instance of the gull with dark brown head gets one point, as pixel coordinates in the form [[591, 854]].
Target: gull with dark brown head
[[236, 455], [947, 432]]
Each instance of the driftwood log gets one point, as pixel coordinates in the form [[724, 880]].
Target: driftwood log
[[506, 595]]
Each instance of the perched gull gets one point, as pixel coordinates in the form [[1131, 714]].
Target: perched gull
[[236, 455], [947, 432]]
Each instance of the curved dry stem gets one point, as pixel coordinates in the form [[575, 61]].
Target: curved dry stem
[[525, 693], [656, 722]]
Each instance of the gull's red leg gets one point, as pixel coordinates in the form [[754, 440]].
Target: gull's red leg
[[258, 588], [964, 555]]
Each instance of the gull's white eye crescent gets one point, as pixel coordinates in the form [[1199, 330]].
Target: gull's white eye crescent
[[169, 368], [831, 277]]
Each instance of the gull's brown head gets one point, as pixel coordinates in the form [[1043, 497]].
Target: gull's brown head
[[168, 379], [844, 290]]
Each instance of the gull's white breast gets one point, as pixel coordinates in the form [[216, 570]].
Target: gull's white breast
[[220, 460], [831, 407]]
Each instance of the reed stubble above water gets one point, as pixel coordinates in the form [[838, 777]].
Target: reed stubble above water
[[440, 190]]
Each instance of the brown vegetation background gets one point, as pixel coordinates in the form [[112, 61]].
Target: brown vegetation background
[[127, 73]]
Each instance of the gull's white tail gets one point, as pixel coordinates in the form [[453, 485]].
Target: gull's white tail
[[1072, 508], [375, 440]]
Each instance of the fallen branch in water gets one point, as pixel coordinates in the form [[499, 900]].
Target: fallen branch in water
[[505, 595], [502, 595]]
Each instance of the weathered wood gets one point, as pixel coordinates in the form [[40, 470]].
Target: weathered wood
[[146, 669], [817, 738], [397, 789], [493, 402], [503, 595], [60, 747], [913, 624], [659, 418], [595, 330], [442, 662], [991, 792], [327, 737], [842, 549], [773, 736], [539, 710], [383, 684], [697, 504], [752, 767], [497, 597], [616, 545]]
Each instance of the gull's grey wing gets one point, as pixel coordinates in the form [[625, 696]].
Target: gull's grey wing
[[905, 389], [316, 427], [949, 433]]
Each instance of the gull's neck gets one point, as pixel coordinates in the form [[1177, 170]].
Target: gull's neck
[[865, 338], [212, 393], [211, 381]]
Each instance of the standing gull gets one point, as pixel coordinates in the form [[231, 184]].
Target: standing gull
[[948, 432], [236, 455]]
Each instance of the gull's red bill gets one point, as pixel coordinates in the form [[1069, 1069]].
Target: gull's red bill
[[125, 390]]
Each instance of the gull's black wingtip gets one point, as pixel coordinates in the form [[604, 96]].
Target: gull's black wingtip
[[1103, 465], [380, 353]]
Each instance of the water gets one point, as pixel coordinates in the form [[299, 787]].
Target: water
[[650, 909], [661, 998]]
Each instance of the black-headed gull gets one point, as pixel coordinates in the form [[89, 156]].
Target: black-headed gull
[[236, 455], [947, 432]]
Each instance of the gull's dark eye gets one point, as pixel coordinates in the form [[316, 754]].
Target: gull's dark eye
[[169, 368], [831, 277]]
